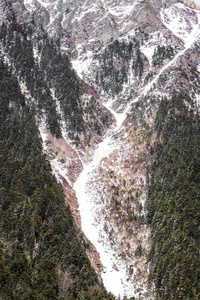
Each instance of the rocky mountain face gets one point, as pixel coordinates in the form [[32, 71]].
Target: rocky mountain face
[[87, 25], [130, 58]]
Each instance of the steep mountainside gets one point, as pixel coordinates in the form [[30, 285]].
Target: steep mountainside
[[114, 88], [41, 255]]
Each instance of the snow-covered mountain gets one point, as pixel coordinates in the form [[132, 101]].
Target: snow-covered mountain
[[130, 54], [87, 28]]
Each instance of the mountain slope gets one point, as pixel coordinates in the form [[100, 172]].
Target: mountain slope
[[110, 182], [41, 255], [132, 55]]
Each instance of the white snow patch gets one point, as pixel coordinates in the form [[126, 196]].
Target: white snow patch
[[58, 170], [78, 17], [120, 117], [43, 3], [198, 100], [148, 51], [30, 5], [81, 66], [122, 11]]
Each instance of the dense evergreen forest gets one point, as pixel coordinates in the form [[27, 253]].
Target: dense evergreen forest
[[40, 254], [118, 60], [173, 204], [161, 53], [46, 76]]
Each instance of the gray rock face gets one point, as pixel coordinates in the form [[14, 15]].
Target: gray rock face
[[85, 28], [90, 22]]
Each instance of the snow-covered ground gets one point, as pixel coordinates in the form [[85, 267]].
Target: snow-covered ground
[[82, 65], [113, 279]]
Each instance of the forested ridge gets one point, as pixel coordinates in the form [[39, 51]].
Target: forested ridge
[[41, 256], [173, 202], [46, 76]]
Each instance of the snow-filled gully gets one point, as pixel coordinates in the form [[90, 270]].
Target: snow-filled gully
[[112, 279]]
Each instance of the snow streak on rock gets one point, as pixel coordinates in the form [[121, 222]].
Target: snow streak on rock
[[183, 22]]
